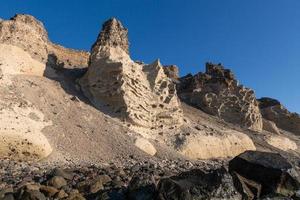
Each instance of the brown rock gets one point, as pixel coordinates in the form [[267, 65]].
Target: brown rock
[[61, 194], [217, 92], [172, 72], [57, 182], [273, 110]]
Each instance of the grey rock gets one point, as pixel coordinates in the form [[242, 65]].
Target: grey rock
[[62, 173], [197, 185], [258, 174]]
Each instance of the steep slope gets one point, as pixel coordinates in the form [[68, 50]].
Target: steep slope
[[112, 111]]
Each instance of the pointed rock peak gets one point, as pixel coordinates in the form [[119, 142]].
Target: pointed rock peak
[[156, 63], [218, 71], [113, 34], [27, 19]]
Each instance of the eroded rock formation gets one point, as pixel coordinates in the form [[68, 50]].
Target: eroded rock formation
[[217, 92], [29, 34], [273, 110], [138, 93], [172, 72]]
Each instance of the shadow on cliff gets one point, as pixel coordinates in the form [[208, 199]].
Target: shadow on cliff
[[67, 78]]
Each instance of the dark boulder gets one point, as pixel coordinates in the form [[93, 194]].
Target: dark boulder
[[258, 174], [142, 188], [197, 185]]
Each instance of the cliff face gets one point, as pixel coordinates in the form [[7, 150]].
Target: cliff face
[[273, 110], [138, 93], [29, 34], [217, 92]]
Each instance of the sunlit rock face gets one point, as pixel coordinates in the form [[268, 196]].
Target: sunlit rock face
[[273, 110], [141, 94], [29, 34], [217, 92]]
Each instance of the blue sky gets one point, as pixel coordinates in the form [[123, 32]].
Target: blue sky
[[258, 39]]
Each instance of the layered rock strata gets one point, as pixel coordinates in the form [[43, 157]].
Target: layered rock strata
[[140, 94], [217, 92]]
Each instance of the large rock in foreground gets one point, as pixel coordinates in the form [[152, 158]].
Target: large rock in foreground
[[140, 94], [273, 110], [197, 185], [217, 92], [258, 174]]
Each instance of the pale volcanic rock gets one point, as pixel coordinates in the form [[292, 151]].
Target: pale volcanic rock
[[273, 110], [217, 92], [270, 126], [21, 133], [29, 34], [138, 93], [145, 146], [210, 146], [281, 142]]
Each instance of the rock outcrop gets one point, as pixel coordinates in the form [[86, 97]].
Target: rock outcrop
[[270, 126], [29, 34], [273, 110], [172, 72], [263, 174], [140, 94], [217, 92], [206, 146], [197, 184]]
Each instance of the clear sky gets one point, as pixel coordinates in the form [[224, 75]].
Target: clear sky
[[258, 39]]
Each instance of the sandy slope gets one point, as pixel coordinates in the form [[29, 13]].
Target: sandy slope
[[52, 114]]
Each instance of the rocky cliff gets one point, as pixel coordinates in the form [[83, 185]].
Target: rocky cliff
[[141, 94], [29, 34], [273, 110], [217, 92]]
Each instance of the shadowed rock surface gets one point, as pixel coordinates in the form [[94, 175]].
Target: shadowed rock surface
[[258, 174], [172, 71], [140, 94], [217, 92], [273, 110]]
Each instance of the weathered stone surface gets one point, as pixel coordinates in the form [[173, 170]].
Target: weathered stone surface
[[172, 72], [57, 182], [217, 92], [140, 188], [273, 110], [257, 174], [198, 185], [29, 34], [270, 126], [145, 146], [281, 142], [113, 34], [202, 146], [140, 94]]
